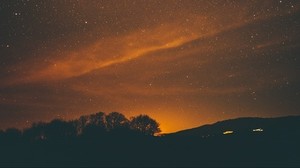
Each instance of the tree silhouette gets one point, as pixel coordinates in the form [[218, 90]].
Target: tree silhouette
[[60, 129], [81, 123], [98, 120], [36, 132], [144, 124], [12, 135], [95, 126], [115, 120]]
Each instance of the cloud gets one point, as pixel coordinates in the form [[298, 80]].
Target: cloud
[[122, 48], [200, 61]]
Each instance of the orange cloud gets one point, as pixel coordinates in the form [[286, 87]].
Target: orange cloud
[[123, 48]]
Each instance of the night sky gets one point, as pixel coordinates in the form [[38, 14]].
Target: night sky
[[184, 63]]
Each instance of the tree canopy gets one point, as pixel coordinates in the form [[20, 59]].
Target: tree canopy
[[94, 125], [145, 125]]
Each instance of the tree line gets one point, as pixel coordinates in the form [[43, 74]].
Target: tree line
[[88, 126]]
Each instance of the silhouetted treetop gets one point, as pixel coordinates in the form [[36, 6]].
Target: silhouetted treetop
[[98, 119], [115, 120], [90, 121], [144, 124]]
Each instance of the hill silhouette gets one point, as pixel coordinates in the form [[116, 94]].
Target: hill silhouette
[[113, 140], [245, 126]]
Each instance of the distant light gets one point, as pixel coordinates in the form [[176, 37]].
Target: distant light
[[227, 132], [258, 130]]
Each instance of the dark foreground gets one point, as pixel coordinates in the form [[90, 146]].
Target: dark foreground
[[275, 143]]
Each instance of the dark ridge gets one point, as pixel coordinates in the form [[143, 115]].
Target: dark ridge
[[244, 124], [112, 140]]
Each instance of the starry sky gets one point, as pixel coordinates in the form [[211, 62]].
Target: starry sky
[[184, 63]]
